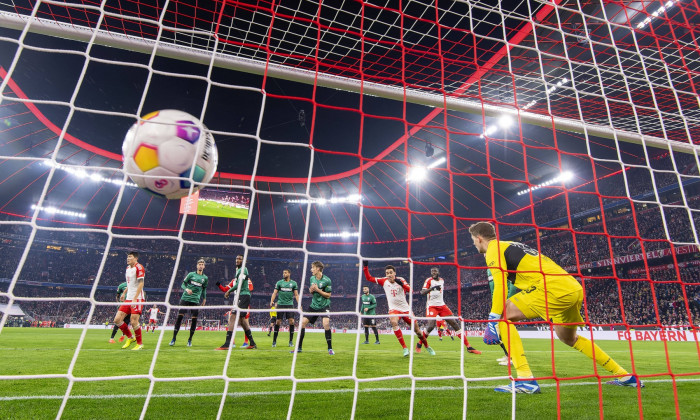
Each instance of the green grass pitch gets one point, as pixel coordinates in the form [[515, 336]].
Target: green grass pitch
[[211, 208], [36, 351]]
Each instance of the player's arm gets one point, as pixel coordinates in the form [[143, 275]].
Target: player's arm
[[404, 284], [368, 276], [296, 296], [186, 284], [250, 285], [273, 297], [139, 283], [204, 290], [222, 287], [324, 293], [373, 303], [428, 287], [497, 262]]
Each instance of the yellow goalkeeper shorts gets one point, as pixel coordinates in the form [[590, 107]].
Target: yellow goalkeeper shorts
[[563, 309]]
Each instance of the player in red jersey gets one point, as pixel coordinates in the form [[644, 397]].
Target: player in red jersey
[[434, 288], [153, 318], [395, 289], [133, 298]]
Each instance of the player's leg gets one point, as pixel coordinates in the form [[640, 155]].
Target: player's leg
[[366, 324], [290, 318], [512, 342], [246, 330], [304, 322], [463, 334], [431, 325], [394, 321], [193, 326], [327, 330], [245, 336], [123, 326], [567, 334], [229, 330], [422, 336], [277, 325], [178, 322], [136, 325]]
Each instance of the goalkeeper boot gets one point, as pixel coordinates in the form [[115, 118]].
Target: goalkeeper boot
[[111, 341], [472, 350], [138, 347], [631, 381], [189, 343], [172, 342], [274, 344], [521, 387], [129, 341], [430, 351], [405, 352]]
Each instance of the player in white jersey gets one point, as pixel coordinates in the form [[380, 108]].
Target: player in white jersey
[[153, 318], [134, 296], [434, 288], [395, 289]]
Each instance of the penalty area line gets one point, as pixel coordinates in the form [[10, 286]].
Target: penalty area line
[[304, 391]]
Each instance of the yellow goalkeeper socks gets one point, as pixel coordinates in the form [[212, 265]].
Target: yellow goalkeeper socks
[[514, 345], [586, 347]]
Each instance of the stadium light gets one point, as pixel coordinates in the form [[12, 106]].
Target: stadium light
[[419, 173], [83, 174], [53, 210], [647, 20], [343, 234], [564, 177], [349, 199]]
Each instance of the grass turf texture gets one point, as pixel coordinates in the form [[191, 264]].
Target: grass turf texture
[[211, 208], [35, 351]]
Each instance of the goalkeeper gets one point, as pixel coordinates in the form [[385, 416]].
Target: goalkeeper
[[547, 291]]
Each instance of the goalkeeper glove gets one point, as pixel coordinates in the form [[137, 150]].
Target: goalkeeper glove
[[365, 263], [491, 336]]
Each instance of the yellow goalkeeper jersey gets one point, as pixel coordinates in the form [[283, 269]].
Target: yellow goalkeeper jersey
[[525, 268]]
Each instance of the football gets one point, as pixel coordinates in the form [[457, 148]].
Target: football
[[167, 145]]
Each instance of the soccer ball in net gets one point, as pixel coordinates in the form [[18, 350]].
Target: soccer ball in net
[[168, 144]]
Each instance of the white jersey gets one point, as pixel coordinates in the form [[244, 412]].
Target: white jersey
[[133, 273], [435, 296], [154, 313], [395, 295]]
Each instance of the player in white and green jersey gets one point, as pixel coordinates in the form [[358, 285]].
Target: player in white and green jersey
[[320, 304], [369, 305], [241, 282], [286, 292], [194, 291]]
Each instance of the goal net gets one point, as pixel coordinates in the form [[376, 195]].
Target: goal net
[[351, 132]]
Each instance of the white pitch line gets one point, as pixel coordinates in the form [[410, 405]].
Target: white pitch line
[[306, 391]]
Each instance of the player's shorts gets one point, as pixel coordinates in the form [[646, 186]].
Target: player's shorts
[[565, 309], [441, 324], [244, 304], [134, 309], [273, 319], [285, 311], [153, 321], [324, 313], [442, 311], [369, 322], [183, 311], [406, 315]]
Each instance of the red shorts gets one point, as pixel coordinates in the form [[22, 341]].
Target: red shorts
[[442, 311], [132, 309], [152, 321], [441, 324], [406, 318]]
